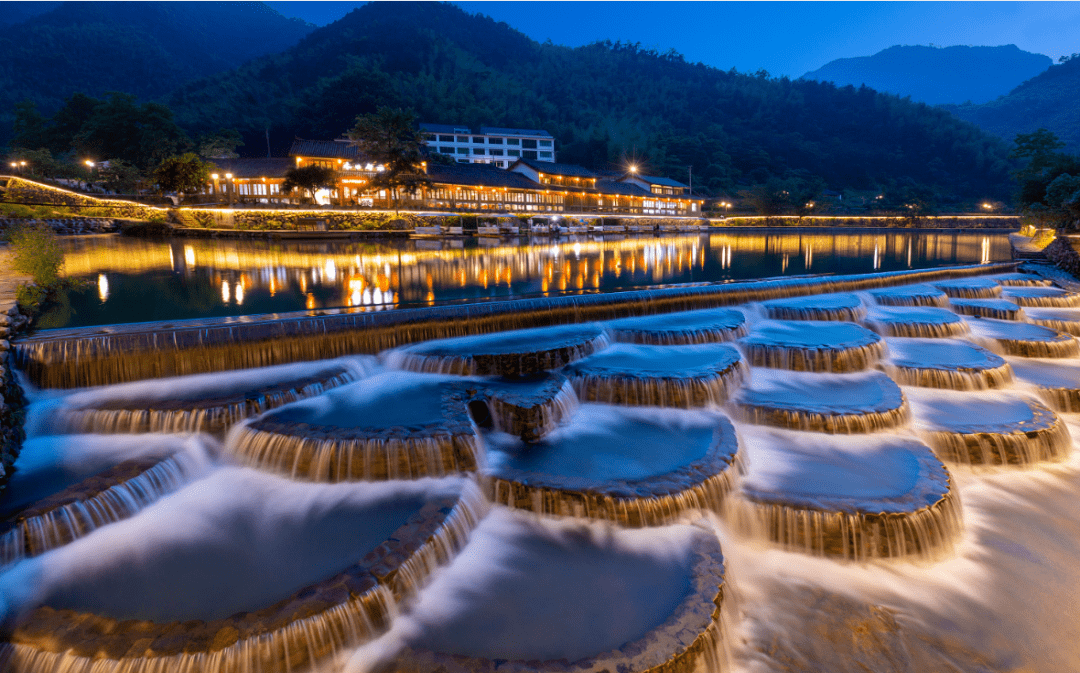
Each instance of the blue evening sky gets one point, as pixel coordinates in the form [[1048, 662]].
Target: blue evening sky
[[785, 38]]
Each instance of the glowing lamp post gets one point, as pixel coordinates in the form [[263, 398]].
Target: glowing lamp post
[[229, 186]]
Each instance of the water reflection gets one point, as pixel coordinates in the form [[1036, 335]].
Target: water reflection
[[174, 279]]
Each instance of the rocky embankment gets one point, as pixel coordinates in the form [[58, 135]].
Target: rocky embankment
[[1065, 253], [12, 400], [72, 226]]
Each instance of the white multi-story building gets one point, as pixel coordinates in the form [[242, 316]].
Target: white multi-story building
[[491, 145]]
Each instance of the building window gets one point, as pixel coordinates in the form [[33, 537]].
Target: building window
[[500, 164], [463, 150], [545, 143], [513, 141], [528, 154], [463, 139], [545, 155], [528, 144], [513, 153], [479, 150], [463, 161], [446, 139], [495, 141], [446, 150], [656, 189], [496, 153], [479, 140]]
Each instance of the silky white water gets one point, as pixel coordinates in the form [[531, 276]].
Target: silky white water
[[997, 595]]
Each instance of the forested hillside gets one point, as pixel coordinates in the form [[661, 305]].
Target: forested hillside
[[143, 48], [937, 75], [603, 102], [1050, 101]]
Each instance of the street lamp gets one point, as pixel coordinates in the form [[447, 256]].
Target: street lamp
[[229, 187], [89, 163]]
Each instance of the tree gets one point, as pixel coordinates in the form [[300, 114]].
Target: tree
[[69, 121], [220, 145], [120, 177], [388, 139], [29, 126], [1047, 191], [120, 128], [309, 179], [1038, 147], [1063, 198], [183, 173]]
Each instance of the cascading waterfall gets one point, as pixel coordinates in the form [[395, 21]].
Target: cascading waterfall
[[976, 288], [813, 347], [82, 358], [1042, 297], [841, 478], [946, 363], [673, 463], [517, 353], [838, 307], [294, 634], [916, 322], [1000, 430], [911, 295], [882, 496], [928, 533], [206, 415], [999, 309], [322, 457], [1067, 321], [1025, 340], [833, 404], [1057, 383], [662, 376], [120, 492]]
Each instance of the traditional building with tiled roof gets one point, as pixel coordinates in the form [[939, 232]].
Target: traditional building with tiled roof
[[528, 186]]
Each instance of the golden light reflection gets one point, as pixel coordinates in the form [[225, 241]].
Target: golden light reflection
[[377, 275], [102, 287]]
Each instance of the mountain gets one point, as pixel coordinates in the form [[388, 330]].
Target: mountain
[[605, 103], [937, 75], [143, 48], [1048, 101]]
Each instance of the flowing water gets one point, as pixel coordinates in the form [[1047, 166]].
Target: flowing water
[[424, 517]]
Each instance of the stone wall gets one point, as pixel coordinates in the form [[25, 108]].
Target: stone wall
[[925, 222], [1065, 253], [258, 219], [12, 400], [68, 226], [19, 190]]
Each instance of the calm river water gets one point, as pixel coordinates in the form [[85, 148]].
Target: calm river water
[[135, 280]]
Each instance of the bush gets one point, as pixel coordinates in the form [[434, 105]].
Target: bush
[[37, 253], [30, 297]]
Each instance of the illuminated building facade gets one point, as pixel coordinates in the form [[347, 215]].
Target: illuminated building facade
[[493, 145], [527, 186]]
